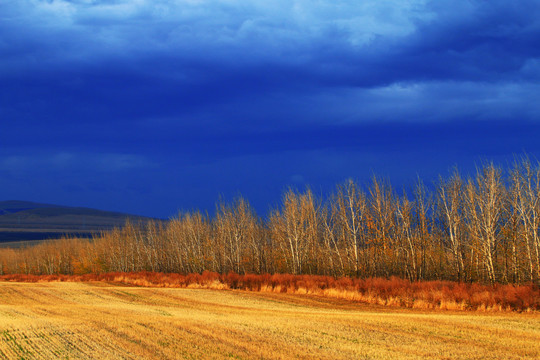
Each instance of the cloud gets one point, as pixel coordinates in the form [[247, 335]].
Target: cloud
[[128, 28], [72, 162], [200, 53], [127, 87], [347, 33]]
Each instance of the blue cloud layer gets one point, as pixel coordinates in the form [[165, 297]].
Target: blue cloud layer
[[167, 85]]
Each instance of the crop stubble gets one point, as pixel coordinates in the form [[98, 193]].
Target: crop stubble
[[102, 321]]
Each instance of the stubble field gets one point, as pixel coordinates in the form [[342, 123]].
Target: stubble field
[[105, 321]]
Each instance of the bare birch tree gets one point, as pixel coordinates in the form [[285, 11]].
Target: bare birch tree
[[450, 197], [484, 210], [526, 191], [295, 230]]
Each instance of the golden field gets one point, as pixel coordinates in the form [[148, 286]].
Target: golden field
[[95, 320]]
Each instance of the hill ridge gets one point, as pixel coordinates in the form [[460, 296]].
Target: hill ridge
[[26, 220]]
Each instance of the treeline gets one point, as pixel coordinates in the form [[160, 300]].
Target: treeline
[[483, 228]]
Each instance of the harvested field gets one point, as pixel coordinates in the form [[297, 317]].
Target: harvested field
[[394, 292], [98, 320]]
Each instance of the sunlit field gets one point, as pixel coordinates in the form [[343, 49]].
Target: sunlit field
[[97, 320]]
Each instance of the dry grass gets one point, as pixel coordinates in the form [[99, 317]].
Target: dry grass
[[393, 292], [95, 320]]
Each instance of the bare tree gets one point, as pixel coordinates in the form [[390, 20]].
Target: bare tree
[[381, 225], [236, 231], [407, 240], [450, 196], [526, 196], [295, 230], [484, 211]]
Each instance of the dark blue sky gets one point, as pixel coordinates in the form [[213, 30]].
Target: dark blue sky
[[151, 106]]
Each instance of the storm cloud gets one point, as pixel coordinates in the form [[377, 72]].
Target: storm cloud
[[182, 101]]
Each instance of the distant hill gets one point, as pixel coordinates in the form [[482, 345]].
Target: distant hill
[[24, 220]]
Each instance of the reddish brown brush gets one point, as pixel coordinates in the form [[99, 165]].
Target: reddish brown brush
[[391, 292]]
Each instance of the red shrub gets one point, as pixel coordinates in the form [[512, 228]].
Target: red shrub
[[399, 291]]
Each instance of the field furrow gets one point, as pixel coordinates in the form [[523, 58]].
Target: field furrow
[[99, 321]]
